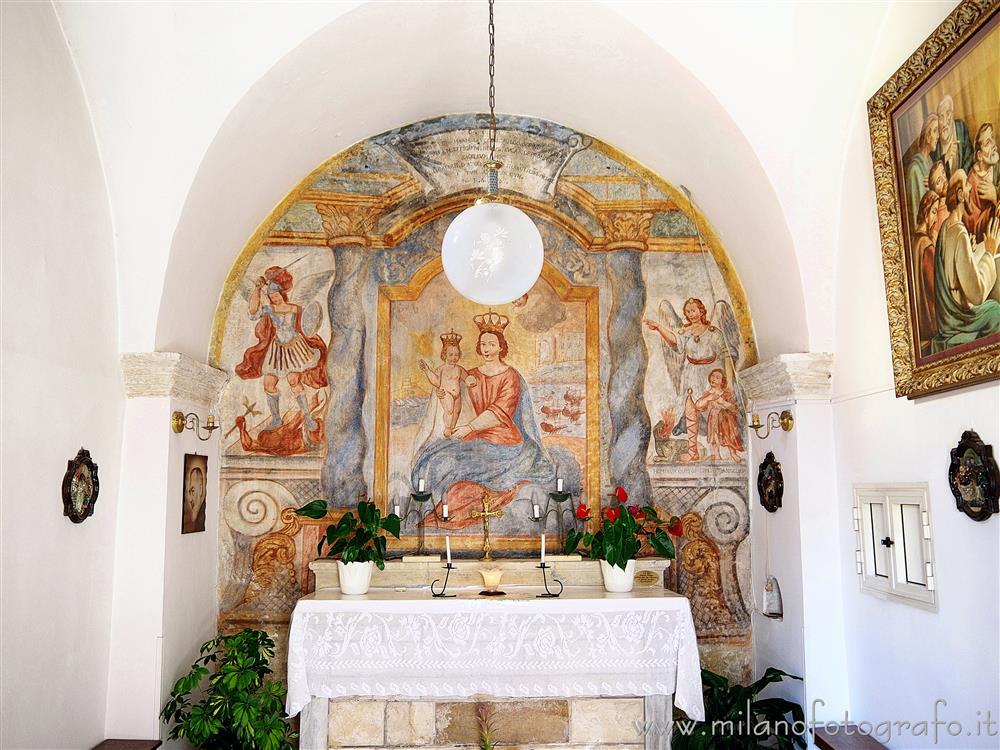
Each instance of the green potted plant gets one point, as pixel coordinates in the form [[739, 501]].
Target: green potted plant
[[356, 541], [623, 531], [735, 719], [240, 707]]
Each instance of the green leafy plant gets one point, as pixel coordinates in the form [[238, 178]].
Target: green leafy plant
[[486, 719], [354, 538], [624, 530], [735, 719], [240, 707]]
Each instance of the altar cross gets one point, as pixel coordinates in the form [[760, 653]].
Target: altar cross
[[486, 514]]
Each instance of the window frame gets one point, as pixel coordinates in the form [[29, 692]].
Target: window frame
[[894, 583]]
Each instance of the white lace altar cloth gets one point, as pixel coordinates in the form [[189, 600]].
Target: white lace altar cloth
[[407, 644]]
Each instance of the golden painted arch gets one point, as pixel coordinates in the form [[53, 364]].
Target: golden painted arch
[[624, 223]]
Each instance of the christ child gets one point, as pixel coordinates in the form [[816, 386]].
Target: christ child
[[719, 403], [447, 380]]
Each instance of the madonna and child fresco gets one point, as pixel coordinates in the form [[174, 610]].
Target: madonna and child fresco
[[358, 370]]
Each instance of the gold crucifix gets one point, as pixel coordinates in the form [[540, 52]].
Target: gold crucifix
[[486, 514]]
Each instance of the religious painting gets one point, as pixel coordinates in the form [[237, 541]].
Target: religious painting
[[195, 493], [479, 401], [358, 371], [704, 419], [282, 362], [770, 483], [937, 169], [80, 487], [974, 478]]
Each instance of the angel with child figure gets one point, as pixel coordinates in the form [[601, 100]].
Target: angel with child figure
[[701, 355]]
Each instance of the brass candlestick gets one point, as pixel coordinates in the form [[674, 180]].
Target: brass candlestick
[[486, 514]]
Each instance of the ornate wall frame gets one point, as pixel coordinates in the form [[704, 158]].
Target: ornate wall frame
[[974, 478], [770, 483], [912, 378], [80, 487]]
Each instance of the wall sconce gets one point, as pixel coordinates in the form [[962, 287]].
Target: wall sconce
[[783, 420], [180, 422]]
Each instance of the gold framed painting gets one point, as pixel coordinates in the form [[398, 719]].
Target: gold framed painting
[[937, 176]]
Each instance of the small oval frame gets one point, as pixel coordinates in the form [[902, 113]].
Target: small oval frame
[[79, 512]]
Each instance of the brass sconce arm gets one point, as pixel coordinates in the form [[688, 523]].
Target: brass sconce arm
[[784, 420], [179, 421]]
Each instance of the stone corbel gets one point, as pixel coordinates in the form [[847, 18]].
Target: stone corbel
[[789, 377], [171, 375]]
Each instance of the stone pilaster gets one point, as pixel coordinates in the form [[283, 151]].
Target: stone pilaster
[[153, 562], [630, 429], [347, 440]]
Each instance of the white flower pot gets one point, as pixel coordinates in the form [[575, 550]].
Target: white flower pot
[[355, 577], [616, 580]]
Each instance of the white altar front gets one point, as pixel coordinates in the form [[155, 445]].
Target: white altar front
[[392, 644]]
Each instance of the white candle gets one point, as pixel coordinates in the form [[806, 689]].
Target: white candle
[[395, 509], [445, 509], [534, 509], [559, 484], [420, 485], [543, 549], [447, 547]]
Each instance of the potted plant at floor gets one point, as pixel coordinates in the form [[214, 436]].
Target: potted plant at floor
[[623, 531], [240, 707], [357, 542], [735, 719]]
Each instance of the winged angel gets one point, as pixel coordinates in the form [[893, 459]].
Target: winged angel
[[701, 355], [288, 350]]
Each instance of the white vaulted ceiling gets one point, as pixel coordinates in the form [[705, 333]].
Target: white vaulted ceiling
[[208, 114]]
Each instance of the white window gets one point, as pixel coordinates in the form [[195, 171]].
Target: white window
[[894, 557]]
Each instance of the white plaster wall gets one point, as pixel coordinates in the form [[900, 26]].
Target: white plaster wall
[[190, 606], [133, 698], [775, 551], [165, 582], [900, 658], [60, 391]]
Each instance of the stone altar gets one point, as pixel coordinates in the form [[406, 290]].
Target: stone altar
[[398, 668]]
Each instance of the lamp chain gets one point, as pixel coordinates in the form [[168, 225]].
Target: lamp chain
[[493, 90]]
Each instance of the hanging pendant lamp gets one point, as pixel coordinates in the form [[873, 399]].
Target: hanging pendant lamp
[[492, 252]]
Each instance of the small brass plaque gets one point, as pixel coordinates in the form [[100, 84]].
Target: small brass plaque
[[647, 578]]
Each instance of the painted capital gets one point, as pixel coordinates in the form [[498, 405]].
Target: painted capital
[[625, 229]]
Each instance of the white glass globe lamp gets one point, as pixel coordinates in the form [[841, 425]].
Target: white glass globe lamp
[[492, 253]]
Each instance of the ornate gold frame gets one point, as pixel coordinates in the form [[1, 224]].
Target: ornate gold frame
[[567, 292], [913, 380]]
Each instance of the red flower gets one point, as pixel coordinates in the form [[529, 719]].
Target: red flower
[[634, 510], [582, 512], [612, 513], [620, 495], [676, 527]]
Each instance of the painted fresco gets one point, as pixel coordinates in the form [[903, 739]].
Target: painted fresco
[[438, 341], [357, 368]]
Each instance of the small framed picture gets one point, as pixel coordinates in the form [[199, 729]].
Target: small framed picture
[[195, 485]]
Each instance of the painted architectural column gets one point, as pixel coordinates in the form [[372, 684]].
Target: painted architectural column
[[347, 439], [630, 429], [164, 604], [799, 543]]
